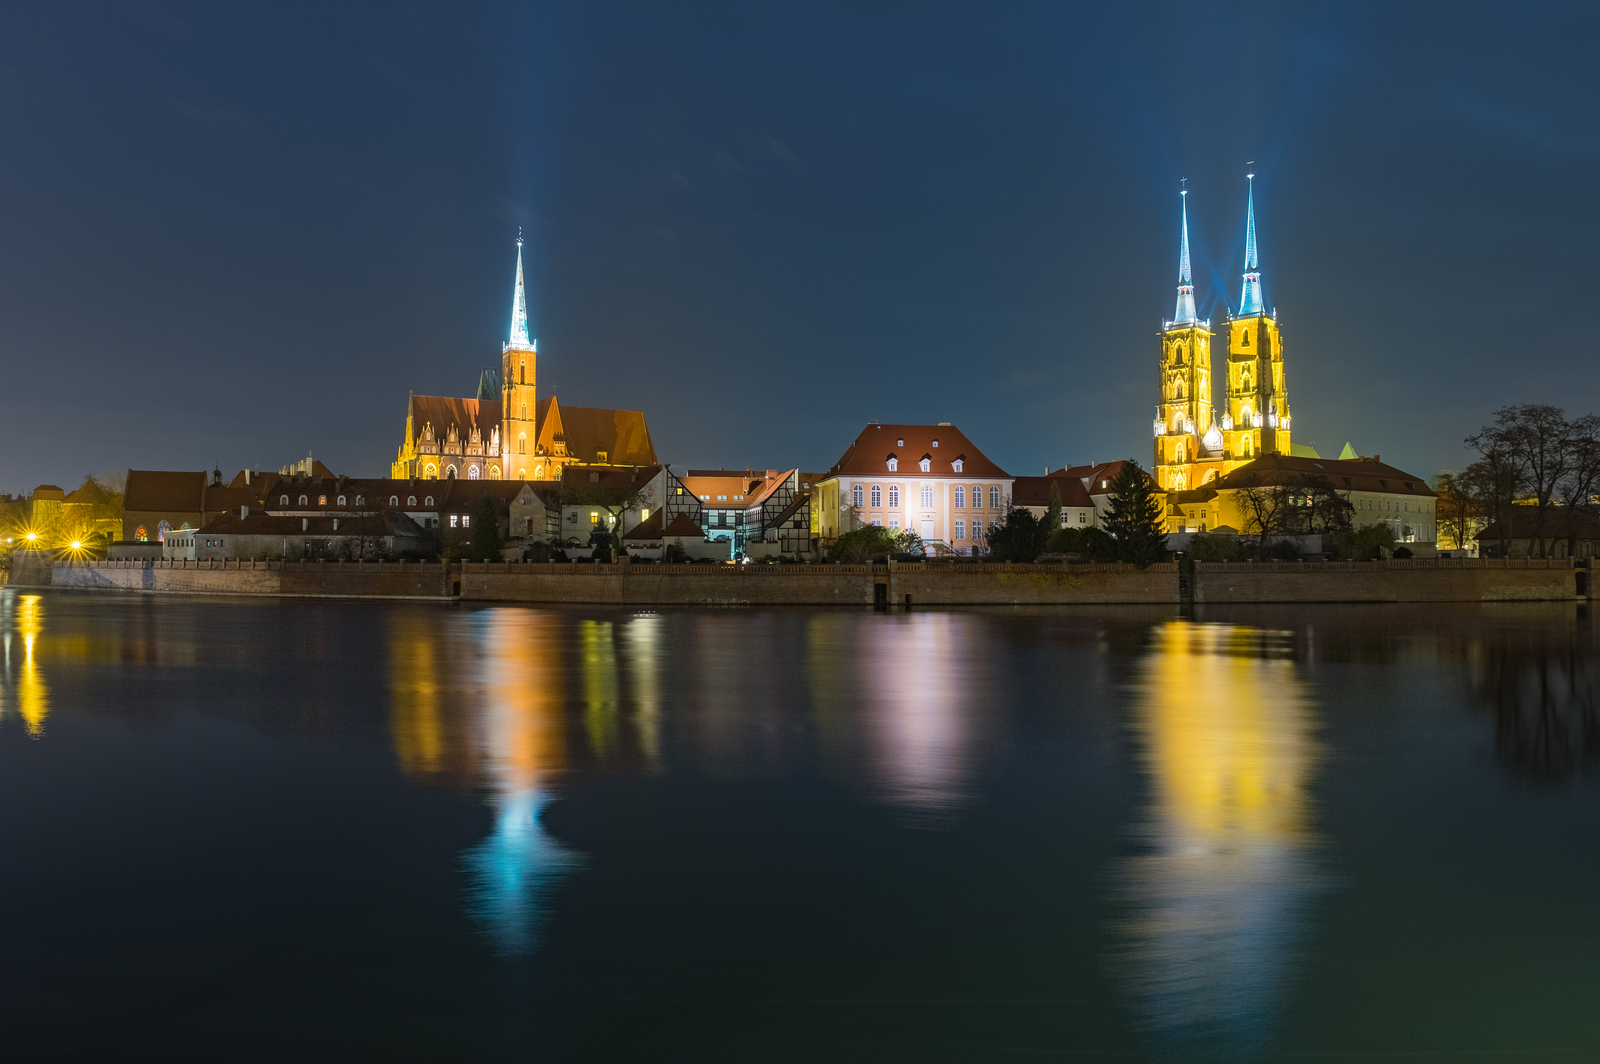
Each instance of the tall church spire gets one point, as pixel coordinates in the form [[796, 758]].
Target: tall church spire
[[1185, 312], [519, 306], [1250, 298]]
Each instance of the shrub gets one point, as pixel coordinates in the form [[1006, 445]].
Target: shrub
[[1206, 548], [1402, 552]]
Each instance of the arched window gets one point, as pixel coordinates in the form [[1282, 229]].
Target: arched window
[[877, 496], [283, 500], [522, 378], [1178, 354], [472, 472], [927, 496], [322, 500], [1180, 453], [161, 532], [361, 500], [855, 495], [394, 500], [428, 501], [494, 472], [522, 438], [450, 472], [1244, 338], [524, 411], [411, 500], [341, 500], [1247, 446], [538, 472], [304, 501], [894, 495], [142, 536], [961, 499]]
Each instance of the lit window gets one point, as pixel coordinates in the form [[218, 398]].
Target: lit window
[[644, 515], [961, 499], [722, 498], [877, 496], [594, 517], [855, 495], [894, 495], [465, 521], [961, 530], [322, 500], [705, 498], [927, 496], [452, 520]]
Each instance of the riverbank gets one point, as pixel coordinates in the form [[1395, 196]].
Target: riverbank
[[894, 584]]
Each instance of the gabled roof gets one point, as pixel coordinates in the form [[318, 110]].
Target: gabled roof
[[1362, 474], [683, 527], [1096, 477], [621, 434], [443, 411], [154, 490], [649, 528], [1035, 491], [942, 444], [755, 486]]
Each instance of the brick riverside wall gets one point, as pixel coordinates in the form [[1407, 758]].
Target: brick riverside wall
[[933, 584], [317, 579], [1402, 580]]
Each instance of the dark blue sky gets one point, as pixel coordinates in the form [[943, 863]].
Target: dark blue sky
[[231, 236]]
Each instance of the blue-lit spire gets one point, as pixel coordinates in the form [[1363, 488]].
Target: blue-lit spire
[[1250, 298], [519, 306], [1185, 312]]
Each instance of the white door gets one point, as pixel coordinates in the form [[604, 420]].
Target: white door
[[927, 530]]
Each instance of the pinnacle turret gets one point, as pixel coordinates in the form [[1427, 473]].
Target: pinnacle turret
[[1185, 312], [1250, 298]]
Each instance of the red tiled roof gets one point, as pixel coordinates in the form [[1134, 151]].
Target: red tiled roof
[[1035, 491], [683, 526], [941, 444], [156, 490], [649, 528], [621, 434]]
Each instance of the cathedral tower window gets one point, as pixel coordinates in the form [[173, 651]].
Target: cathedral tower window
[[1244, 338], [522, 378], [522, 438]]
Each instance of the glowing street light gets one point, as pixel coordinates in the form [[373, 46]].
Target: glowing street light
[[32, 536], [76, 545]]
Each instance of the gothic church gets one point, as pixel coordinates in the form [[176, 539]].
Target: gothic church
[[507, 433]]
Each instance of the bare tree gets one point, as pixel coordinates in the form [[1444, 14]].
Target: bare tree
[[1499, 476], [1269, 510], [1460, 510], [1536, 439], [1580, 486]]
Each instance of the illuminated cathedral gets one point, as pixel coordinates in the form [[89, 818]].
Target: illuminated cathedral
[[1192, 444], [507, 432]]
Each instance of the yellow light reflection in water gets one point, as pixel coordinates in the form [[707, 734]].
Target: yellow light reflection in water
[[415, 685], [1217, 900], [641, 647], [30, 693], [597, 655]]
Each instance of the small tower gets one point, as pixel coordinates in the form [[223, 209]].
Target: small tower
[[1184, 414], [518, 372], [1257, 418]]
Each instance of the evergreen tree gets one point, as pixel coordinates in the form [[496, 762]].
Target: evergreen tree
[[1136, 517], [1052, 513], [486, 543]]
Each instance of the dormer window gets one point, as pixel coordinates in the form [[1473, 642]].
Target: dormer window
[[429, 501], [936, 443], [411, 500], [957, 464], [341, 500], [360, 500], [303, 500], [926, 464], [899, 443], [893, 462], [394, 500], [283, 500]]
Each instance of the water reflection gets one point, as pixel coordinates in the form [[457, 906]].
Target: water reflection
[[509, 734], [1541, 684], [22, 685], [1216, 901]]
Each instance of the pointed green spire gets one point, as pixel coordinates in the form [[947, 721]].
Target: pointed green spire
[[1185, 312], [519, 305], [1250, 299]]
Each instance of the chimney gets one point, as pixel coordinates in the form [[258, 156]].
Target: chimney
[[244, 511]]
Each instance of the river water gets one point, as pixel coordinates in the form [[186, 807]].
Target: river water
[[349, 830]]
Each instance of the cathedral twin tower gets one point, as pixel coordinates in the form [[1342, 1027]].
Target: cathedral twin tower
[[1192, 445]]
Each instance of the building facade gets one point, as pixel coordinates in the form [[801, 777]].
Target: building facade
[[1192, 444], [929, 479]]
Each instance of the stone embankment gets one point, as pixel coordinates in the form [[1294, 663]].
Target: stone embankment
[[914, 584]]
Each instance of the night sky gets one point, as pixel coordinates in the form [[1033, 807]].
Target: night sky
[[232, 236]]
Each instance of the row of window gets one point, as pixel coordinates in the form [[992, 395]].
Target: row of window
[[322, 500], [960, 528], [858, 496]]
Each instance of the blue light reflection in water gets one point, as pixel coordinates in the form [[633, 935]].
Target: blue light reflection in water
[[511, 872]]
